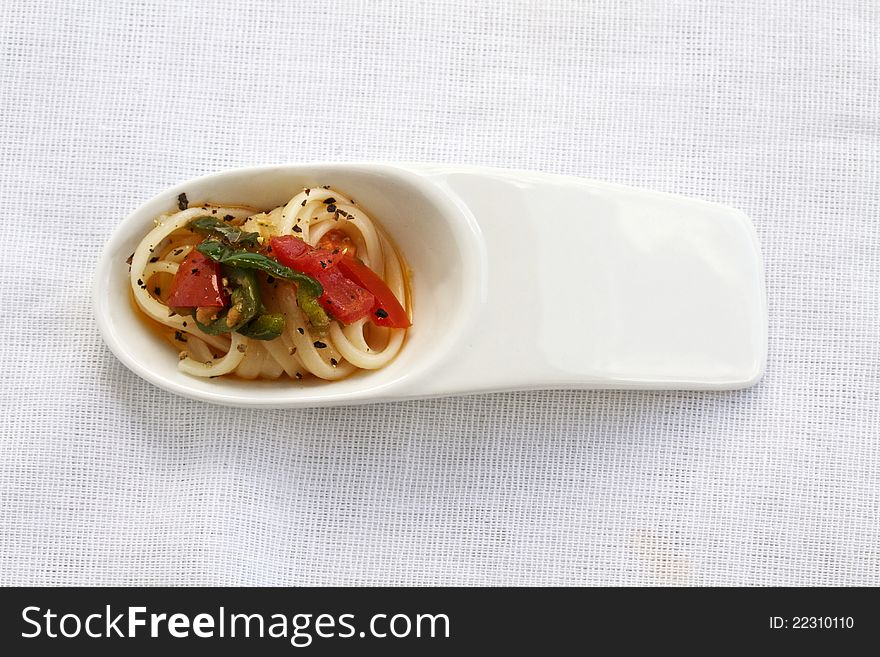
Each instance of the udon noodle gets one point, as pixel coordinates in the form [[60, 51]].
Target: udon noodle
[[331, 351]]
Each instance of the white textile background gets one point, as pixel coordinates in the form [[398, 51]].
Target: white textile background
[[773, 107]]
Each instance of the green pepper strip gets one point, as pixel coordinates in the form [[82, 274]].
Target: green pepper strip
[[312, 309], [264, 327], [218, 227], [245, 299], [308, 290]]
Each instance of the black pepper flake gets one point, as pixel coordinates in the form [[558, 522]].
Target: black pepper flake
[[270, 279], [228, 217], [195, 270], [298, 375], [325, 186], [182, 202], [300, 331], [130, 258], [214, 211], [184, 325], [303, 204], [307, 191], [154, 259], [319, 345], [177, 252], [157, 291], [331, 208], [334, 362], [381, 313], [180, 337], [140, 283], [323, 264], [297, 229], [329, 200]]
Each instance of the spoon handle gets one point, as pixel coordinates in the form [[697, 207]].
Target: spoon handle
[[594, 285]]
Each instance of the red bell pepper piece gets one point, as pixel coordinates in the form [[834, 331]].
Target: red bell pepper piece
[[198, 284], [345, 300], [293, 252], [386, 311]]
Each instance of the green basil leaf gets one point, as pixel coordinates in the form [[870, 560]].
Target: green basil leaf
[[248, 260], [218, 227]]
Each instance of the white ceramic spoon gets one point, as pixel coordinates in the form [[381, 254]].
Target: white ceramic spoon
[[521, 280]]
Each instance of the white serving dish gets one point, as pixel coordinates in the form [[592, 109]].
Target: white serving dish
[[521, 280]]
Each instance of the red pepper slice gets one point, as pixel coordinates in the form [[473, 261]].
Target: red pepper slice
[[198, 284], [293, 252], [345, 300], [387, 310], [351, 289]]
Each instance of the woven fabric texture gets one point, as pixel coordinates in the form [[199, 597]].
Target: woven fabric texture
[[771, 107]]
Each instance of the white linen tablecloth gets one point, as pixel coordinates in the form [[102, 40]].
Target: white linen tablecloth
[[771, 107]]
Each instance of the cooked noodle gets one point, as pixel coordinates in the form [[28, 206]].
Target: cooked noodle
[[360, 345]]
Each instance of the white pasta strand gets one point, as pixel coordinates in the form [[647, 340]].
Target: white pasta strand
[[252, 363], [365, 358], [270, 368], [279, 350], [198, 349], [224, 365]]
